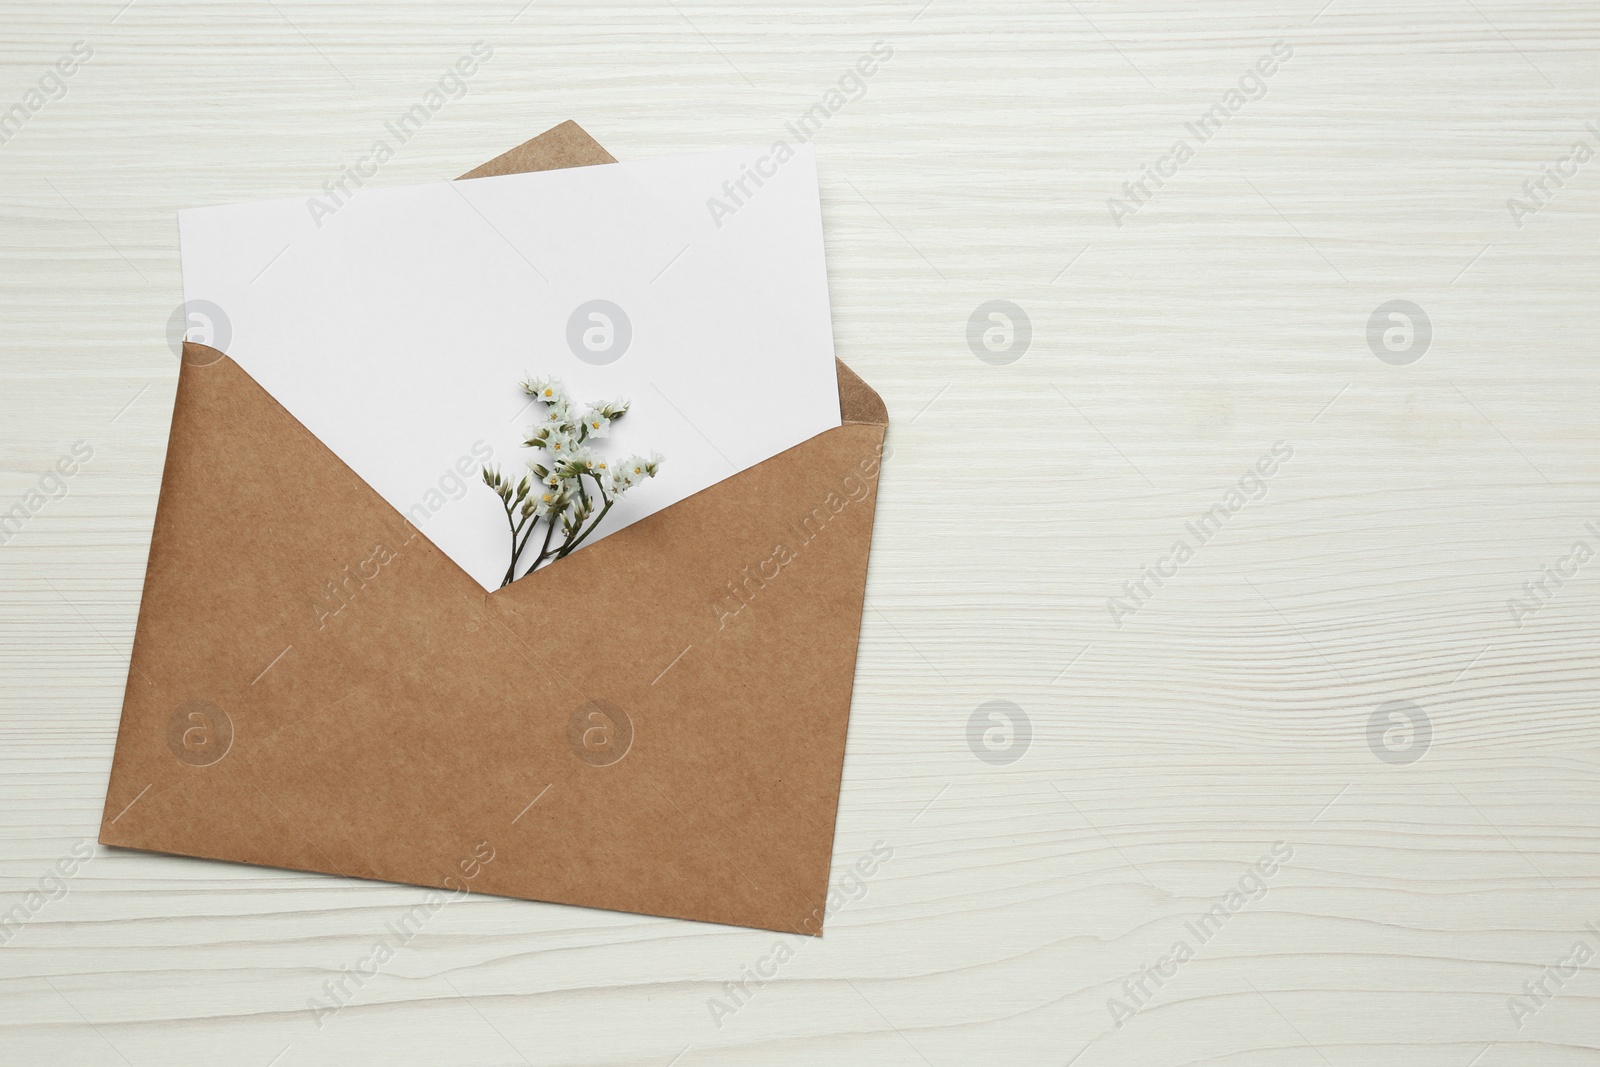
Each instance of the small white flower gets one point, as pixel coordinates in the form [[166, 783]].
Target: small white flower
[[560, 414], [546, 389], [637, 468], [596, 423], [552, 501], [559, 445]]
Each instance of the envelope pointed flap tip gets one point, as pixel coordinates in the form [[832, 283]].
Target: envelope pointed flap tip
[[558, 148], [858, 401]]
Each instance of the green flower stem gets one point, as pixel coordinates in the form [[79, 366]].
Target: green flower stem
[[572, 544], [511, 522], [517, 550], [571, 533], [544, 549]]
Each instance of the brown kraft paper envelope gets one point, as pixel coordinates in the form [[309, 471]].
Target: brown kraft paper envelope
[[655, 725]]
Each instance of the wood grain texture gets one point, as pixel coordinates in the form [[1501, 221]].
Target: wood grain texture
[[1167, 754]]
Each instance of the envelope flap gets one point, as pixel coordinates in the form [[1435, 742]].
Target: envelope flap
[[858, 401], [566, 145]]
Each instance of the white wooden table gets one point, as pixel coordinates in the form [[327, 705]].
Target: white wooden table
[[1439, 862]]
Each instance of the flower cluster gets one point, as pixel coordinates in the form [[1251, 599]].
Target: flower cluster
[[557, 488]]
